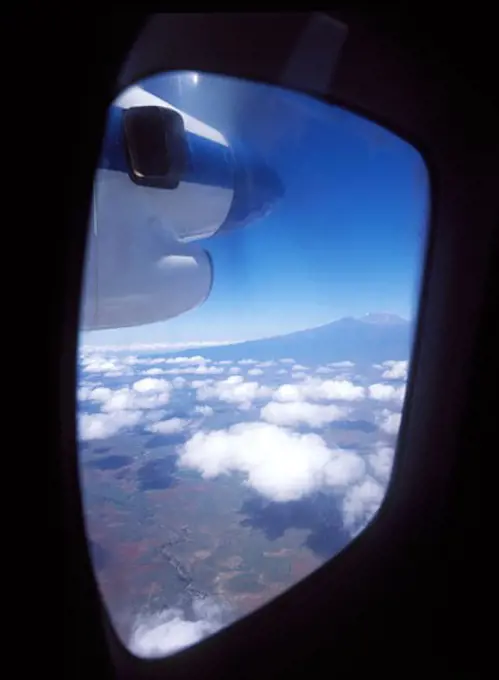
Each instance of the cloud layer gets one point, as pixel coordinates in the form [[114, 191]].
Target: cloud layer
[[271, 453], [281, 447]]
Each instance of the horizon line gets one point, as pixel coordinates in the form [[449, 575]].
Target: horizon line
[[200, 344]]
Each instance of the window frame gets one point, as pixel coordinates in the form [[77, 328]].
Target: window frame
[[419, 488]]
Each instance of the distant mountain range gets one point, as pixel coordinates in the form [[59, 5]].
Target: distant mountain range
[[369, 339]]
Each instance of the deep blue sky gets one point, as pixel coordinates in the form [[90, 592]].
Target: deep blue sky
[[347, 238]]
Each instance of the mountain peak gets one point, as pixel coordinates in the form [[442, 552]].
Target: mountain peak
[[383, 318]]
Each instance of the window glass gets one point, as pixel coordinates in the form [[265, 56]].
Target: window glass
[[252, 276]]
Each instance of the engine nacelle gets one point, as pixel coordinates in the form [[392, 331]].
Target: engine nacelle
[[165, 180]]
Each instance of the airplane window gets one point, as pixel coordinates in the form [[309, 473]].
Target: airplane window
[[252, 275]]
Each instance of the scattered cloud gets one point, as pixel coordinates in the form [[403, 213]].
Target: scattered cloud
[[302, 413], [278, 463], [200, 383], [171, 630], [83, 393], [154, 346], [100, 364], [389, 421], [187, 360], [395, 370], [169, 426], [381, 462], [316, 389], [360, 503], [153, 371], [255, 371], [201, 369], [148, 385], [234, 390], [383, 392], [148, 393], [155, 361], [204, 410], [103, 425]]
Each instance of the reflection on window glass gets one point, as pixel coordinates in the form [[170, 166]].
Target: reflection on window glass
[[247, 320]]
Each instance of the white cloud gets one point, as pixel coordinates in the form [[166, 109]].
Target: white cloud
[[234, 370], [341, 364], [129, 400], [204, 410], [383, 392], [396, 370], [187, 360], [169, 361], [201, 369], [234, 390], [169, 426], [151, 385], [299, 375], [282, 371], [279, 464], [389, 422], [360, 503], [255, 371], [156, 346], [266, 364], [247, 362], [381, 462], [100, 364], [301, 412], [103, 425], [147, 393], [287, 361], [225, 362], [143, 361], [335, 389], [179, 382], [153, 371], [316, 389], [84, 392], [289, 393], [324, 369], [299, 367], [200, 383], [101, 394], [205, 370], [169, 631]]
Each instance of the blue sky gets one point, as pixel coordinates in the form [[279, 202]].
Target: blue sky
[[347, 238]]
